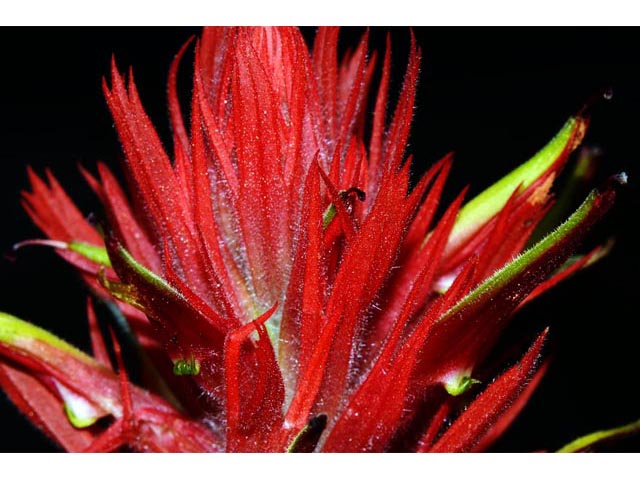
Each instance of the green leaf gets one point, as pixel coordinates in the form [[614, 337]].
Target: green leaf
[[14, 331], [129, 293], [145, 273], [483, 207], [503, 276], [590, 440], [91, 252]]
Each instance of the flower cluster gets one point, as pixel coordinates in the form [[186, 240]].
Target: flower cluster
[[283, 285]]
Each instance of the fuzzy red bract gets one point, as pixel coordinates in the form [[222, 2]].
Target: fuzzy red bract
[[286, 286]]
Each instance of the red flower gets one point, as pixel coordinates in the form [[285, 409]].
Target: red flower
[[285, 287]]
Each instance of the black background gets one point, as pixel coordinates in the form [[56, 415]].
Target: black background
[[494, 96]]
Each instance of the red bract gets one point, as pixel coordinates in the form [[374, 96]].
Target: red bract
[[286, 288]]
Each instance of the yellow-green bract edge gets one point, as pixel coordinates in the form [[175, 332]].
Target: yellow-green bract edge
[[591, 439], [521, 262], [488, 203], [12, 329], [91, 252]]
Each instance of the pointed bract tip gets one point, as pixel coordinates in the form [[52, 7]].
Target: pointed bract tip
[[93, 253]]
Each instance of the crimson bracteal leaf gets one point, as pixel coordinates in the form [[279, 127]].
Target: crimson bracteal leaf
[[485, 411], [67, 368], [591, 209], [461, 338], [59, 380], [281, 284], [184, 323], [42, 407]]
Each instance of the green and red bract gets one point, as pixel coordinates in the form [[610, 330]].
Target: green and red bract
[[285, 287]]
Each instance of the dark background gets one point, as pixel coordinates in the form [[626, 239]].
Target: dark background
[[494, 96]]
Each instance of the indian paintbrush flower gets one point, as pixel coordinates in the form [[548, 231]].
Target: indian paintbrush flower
[[284, 286]]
